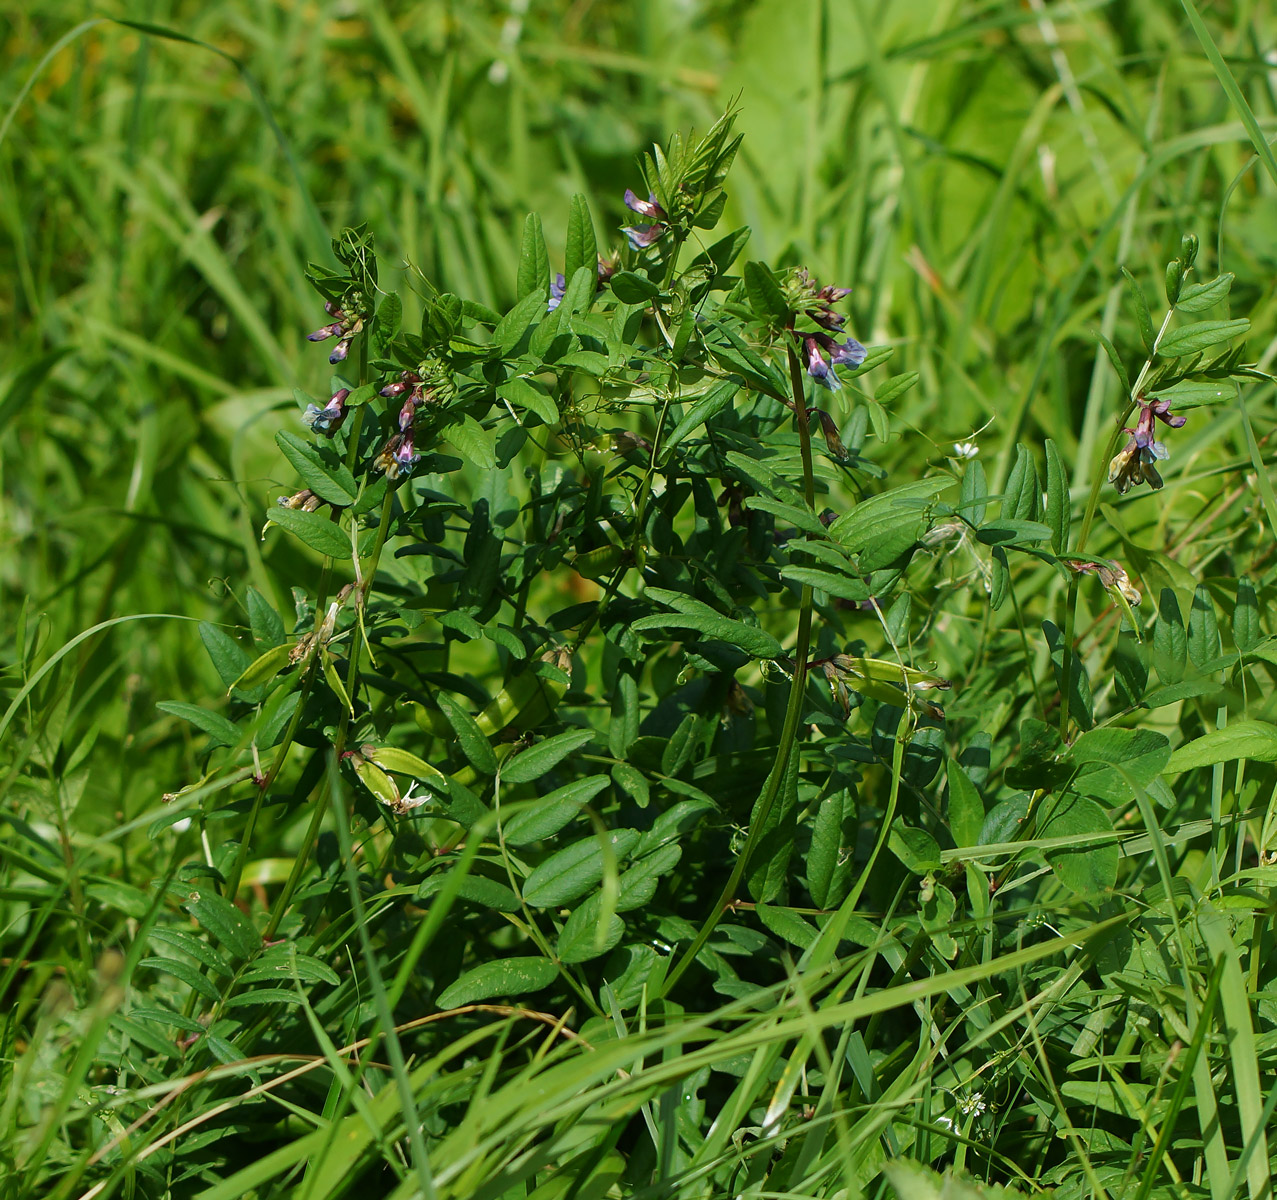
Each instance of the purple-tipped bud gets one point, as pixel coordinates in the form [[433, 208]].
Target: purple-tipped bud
[[831, 295], [644, 208], [408, 414], [557, 291], [392, 391], [1161, 409], [322, 335], [340, 351]]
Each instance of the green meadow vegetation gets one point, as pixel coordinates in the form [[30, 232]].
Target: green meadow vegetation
[[665, 600]]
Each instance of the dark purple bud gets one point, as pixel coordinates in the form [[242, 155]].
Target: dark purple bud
[[392, 391], [1161, 409], [340, 351]]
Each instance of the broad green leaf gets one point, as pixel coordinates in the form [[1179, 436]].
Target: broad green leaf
[[189, 974], [1170, 639], [841, 587], [1143, 317], [1204, 643], [1200, 296], [582, 248], [534, 262], [574, 870], [263, 669], [229, 657], [552, 812], [966, 809], [787, 925], [1023, 494], [475, 443], [886, 526], [975, 490], [476, 889], [895, 387], [702, 411], [1191, 339], [534, 762], [830, 858], [754, 641], [223, 920], [530, 396], [582, 939], [1080, 697], [765, 296], [1246, 628], [214, 724], [1193, 394], [315, 529], [265, 622], [1090, 868], [1141, 755], [768, 867], [476, 747], [915, 848], [1058, 507], [335, 483], [515, 324], [629, 287], [500, 978], [1255, 740]]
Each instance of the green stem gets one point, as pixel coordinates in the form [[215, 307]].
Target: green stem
[[1088, 519], [793, 711]]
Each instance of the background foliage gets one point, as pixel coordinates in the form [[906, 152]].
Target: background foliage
[[1100, 1021]]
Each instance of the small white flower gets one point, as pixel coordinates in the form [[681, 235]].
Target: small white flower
[[972, 1104], [965, 449]]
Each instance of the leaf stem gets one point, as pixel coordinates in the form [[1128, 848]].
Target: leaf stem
[[793, 711]]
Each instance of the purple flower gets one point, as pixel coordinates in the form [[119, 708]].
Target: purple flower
[[322, 335], [557, 290], [1133, 464], [817, 367], [327, 420], [644, 208], [397, 456], [642, 236], [850, 351]]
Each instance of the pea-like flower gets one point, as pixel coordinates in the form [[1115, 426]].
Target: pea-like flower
[[642, 236], [327, 420], [305, 500], [817, 345], [397, 456], [829, 428], [1112, 576], [558, 288], [1134, 463]]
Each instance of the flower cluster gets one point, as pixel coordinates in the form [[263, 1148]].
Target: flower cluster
[[327, 420], [344, 327], [642, 236], [1135, 462], [815, 303]]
